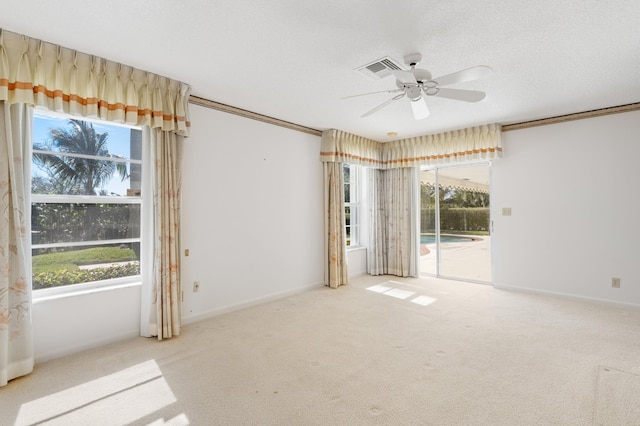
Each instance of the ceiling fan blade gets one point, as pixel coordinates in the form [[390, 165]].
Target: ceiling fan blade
[[461, 94], [405, 77], [382, 105], [373, 93], [469, 74], [419, 108]]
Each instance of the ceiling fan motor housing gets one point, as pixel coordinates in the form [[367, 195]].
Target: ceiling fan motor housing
[[423, 81], [413, 92]]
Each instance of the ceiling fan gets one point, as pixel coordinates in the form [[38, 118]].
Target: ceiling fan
[[416, 83]]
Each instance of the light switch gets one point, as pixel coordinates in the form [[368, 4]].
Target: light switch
[[506, 211]]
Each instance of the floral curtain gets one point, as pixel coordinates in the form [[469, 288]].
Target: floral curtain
[[377, 250], [35, 73], [16, 335], [335, 243], [394, 233], [164, 320]]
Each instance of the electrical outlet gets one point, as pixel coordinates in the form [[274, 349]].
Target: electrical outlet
[[615, 282], [196, 286]]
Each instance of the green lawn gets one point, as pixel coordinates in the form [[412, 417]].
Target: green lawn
[[70, 260]]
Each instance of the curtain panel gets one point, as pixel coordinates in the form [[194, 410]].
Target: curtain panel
[[474, 143], [16, 332], [335, 256], [164, 320], [58, 79], [377, 254], [394, 233]]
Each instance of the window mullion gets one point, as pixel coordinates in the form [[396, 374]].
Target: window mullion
[[86, 156], [82, 199], [86, 243]]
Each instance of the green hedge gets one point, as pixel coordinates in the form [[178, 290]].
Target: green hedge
[[459, 219], [66, 277]]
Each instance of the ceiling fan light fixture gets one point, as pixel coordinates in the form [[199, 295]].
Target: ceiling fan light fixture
[[420, 109]]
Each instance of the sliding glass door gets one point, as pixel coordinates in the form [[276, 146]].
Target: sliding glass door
[[429, 228], [455, 238]]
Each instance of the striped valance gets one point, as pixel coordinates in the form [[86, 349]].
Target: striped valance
[[45, 75], [342, 147], [474, 143]]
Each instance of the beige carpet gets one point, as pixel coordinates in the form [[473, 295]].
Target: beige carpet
[[380, 351], [617, 398]]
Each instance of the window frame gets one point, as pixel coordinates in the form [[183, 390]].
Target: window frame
[[353, 205], [90, 286]]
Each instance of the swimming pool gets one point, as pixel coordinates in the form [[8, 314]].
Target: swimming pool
[[431, 239]]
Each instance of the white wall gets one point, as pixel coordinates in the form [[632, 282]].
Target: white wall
[[252, 219], [575, 224], [252, 209], [357, 262], [64, 325]]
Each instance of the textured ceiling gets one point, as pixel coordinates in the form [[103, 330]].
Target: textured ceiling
[[293, 60]]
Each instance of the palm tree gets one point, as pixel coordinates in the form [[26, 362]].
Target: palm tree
[[466, 198], [79, 174]]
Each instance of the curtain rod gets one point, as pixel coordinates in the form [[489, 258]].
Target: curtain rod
[[505, 128], [252, 115]]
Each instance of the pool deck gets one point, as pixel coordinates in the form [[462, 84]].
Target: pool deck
[[464, 260]]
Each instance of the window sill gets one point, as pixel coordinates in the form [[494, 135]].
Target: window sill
[[356, 248], [45, 295]]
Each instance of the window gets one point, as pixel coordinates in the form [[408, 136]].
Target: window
[[352, 203], [85, 202]]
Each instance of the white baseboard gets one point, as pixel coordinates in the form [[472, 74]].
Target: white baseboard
[[565, 295], [246, 304]]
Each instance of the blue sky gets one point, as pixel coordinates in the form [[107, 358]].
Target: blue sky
[[118, 136], [118, 143]]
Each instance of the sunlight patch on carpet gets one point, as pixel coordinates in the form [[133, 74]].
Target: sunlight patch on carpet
[[389, 289], [423, 300], [180, 420], [617, 396], [379, 288], [118, 398], [400, 294]]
